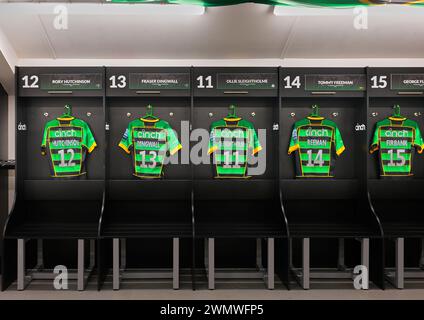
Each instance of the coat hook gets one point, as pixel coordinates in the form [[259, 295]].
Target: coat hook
[[417, 114], [129, 114], [210, 114], [171, 114], [46, 114], [88, 114], [292, 114], [335, 114], [374, 114], [253, 114]]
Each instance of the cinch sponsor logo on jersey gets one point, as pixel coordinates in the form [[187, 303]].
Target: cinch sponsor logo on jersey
[[148, 134], [64, 133], [231, 134], [396, 133], [310, 132]]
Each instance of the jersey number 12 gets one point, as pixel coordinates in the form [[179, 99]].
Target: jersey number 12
[[70, 162]]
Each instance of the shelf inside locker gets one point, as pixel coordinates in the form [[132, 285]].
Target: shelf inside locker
[[57, 209], [147, 208], [320, 188], [398, 203], [331, 218], [63, 219], [158, 218], [249, 218]]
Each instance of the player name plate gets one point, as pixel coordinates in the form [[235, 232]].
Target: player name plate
[[247, 81], [159, 81], [335, 82], [80, 81], [407, 81]]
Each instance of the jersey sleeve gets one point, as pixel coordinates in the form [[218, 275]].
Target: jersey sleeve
[[418, 141], [294, 141], [375, 144], [254, 141], [338, 142], [88, 140], [173, 144], [213, 141], [44, 141], [126, 141]]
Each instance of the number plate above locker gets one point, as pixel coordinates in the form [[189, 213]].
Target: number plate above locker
[[309, 82], [60, 81], [395, 82], [259, 82], [148, 82]]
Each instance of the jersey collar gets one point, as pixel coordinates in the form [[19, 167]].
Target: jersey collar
[[65, 118], [397, 118], [315, 118], [149, 120], [232, 119]]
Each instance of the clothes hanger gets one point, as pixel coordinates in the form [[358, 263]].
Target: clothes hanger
[[315, 113], [232, 114], [149, 117], [67, 115], [396, 113]]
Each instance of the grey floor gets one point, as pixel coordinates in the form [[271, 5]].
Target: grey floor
[[42, 290]]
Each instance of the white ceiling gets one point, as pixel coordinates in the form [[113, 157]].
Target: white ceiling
[[245, 31]]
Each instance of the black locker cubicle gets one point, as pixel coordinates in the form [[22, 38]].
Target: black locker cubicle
[[233, 217], [49, 216], [325, 214], [191, 227], [146, 218], [398, 201]]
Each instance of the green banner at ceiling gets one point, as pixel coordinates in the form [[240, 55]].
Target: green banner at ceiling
[[308, 3]]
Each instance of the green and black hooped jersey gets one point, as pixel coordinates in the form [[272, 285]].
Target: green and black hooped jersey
[[317, 141], [230, 141], [149, 140], [66, 141], [395, 139]]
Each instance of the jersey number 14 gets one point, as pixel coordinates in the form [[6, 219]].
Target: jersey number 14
[[318, 161]]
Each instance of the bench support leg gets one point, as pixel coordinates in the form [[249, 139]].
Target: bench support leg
[[176, 263], [422, 255], [399, 274], [341, 257], [291, 254], [259, 254], [305, 263], [40, 255], [211, 263], [365, 257], [92, 254], [21, 264], [271, 270], [115, 266], [123, 254], [81, 265]]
